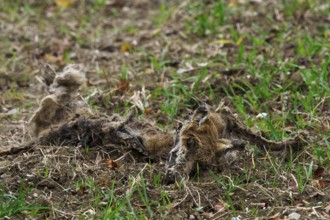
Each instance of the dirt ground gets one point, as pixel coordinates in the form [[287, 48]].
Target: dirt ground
[[132, 50]]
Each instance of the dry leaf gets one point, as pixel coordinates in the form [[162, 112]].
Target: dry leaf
[[111, 164], [83, 190], [321, 184], [149, 111], [64, 3], [219, 207], [123, 86], [105, 183], [126, 47], [323, 127], [49, 58], [318, 172], [324, 183], [148, 71]]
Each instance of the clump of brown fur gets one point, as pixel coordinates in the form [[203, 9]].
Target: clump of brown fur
[[199, 140], [207, 134]]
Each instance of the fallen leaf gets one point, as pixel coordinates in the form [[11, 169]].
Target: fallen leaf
[[149, 71], [219, 206], [318, 172], [324, 183], [111, 164], [321, 184], [125, 47], [64, 3], [83, 190], [149, 111], [123, 86], [324, 128], [49, 58], [105, 183]]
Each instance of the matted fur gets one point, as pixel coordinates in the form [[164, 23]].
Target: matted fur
[[63, 118]]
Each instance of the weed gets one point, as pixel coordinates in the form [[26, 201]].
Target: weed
[[303, 176]]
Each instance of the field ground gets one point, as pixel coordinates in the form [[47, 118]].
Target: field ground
[[267, 60]]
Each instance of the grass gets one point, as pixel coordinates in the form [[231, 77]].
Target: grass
[[285, 73], [206, 20], [17, 204], [303, 176], [108, 204]]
